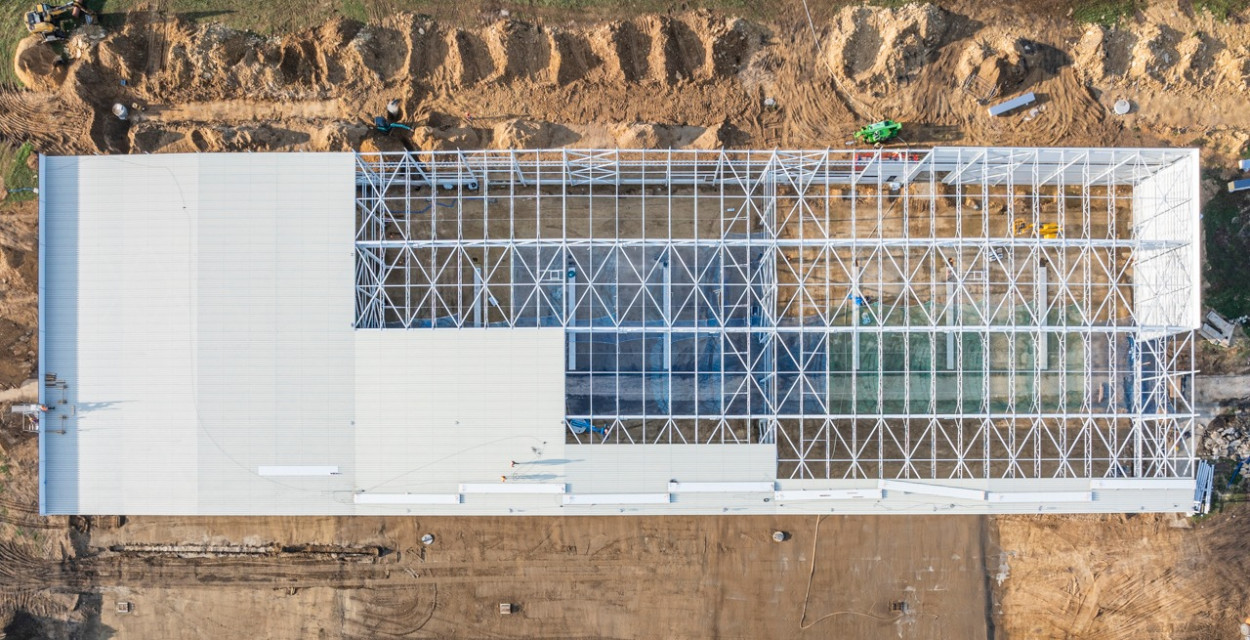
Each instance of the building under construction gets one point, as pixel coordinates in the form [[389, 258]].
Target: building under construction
[[957, 329]]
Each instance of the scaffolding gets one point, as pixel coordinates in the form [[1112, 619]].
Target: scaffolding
[[954, 312]]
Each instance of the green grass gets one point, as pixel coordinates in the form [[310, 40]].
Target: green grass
[[1107, 13], [16, 174], [1226, 223], [12, 30], [1221, 9], [890, 4], [354, 10]]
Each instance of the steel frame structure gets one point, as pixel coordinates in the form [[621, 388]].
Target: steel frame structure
[[953, 312]]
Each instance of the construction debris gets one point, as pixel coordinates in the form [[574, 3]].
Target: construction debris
[[1003, 108], [1217, 330]]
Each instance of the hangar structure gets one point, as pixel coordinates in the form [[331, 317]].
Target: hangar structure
[[956, 329]]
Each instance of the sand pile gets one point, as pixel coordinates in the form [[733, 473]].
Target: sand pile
[[874, 48], [654, 136], [344, 57], [997, 64], [532, 134], [1161, 56], [447, 138], [38, 65], [215, 88]]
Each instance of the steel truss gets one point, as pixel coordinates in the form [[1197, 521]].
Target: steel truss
[[944, 313]]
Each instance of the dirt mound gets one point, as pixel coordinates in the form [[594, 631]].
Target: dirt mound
[[338, 136], [1162, 56], [146, 139], [448, 138], [656, 136], [156, 137], [372, 145], [502, 84], [721, 136], [873, 47], [346, 58], [530, 134], [993, 66], [38, 66], [572, 57], [211, 87], [519, 51]]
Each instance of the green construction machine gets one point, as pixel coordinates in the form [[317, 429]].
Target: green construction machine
[[879, 132]]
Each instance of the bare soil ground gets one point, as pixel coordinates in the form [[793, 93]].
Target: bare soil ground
[[372, 578], [1123, 576], [683, 79], [656, 81]]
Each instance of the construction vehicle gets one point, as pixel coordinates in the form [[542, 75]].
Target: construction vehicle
[[385, 126], [1025, 229], [879, 132], [55, 22]]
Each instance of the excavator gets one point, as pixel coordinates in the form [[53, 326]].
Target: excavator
[[54, 22]]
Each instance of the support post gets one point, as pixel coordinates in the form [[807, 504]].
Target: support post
[[570, 309], [1043, 303], [477, 296], [667, 269], [950, 322]]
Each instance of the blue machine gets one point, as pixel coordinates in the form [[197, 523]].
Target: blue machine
[[582, 426], [386, 126]]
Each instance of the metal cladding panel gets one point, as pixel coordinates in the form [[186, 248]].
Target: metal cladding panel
[[180, 292], [119, 293], [438, 409], [629, 468], [274, 349], [1166, 271]]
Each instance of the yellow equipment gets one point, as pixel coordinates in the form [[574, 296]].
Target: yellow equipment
[[1023, 228], [55, 22]]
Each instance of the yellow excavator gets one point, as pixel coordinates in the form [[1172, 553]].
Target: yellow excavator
[[54, 22]]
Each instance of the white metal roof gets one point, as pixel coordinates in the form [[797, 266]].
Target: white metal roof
[[198, 313]]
